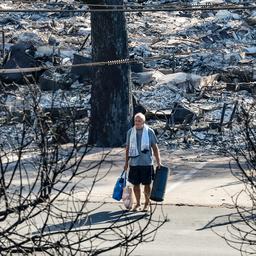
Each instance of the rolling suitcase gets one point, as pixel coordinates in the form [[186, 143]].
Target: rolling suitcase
[[159, 184]]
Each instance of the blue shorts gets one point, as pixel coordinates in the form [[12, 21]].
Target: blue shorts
[[141, 174]]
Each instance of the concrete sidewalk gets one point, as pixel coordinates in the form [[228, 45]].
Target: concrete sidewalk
[[196, 178], [189, 232]]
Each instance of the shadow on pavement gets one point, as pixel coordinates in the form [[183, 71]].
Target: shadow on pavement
[[103, 217], [228, 219]]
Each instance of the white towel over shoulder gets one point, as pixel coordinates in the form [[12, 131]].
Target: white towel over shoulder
[[133, 150]]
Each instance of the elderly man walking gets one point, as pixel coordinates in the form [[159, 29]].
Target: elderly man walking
[[140, 141]]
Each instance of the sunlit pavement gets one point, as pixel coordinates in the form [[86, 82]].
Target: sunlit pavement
[[199, 195]]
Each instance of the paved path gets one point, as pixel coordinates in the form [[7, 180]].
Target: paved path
[[199, 190], [189, 232], [196, 178]]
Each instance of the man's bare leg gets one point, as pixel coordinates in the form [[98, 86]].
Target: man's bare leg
[[136, 190], [147, 191]]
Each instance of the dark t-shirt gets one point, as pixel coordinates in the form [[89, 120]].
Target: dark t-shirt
[[143, 158]]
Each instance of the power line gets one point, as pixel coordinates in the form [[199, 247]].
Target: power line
[[91, 64], [132, 5], [166, 5], [143, 9], [94, 64]]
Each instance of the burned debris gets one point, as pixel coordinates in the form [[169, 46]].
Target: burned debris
[[192, 73], [21, 55]]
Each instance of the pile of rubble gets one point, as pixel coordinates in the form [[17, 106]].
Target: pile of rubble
[[202, 67]]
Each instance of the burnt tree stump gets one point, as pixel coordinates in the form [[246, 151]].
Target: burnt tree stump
[[111, 101]]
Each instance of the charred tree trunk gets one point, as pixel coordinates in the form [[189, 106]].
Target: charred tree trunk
[[111, 101]]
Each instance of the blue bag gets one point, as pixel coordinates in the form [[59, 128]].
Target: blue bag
[[118, 189]]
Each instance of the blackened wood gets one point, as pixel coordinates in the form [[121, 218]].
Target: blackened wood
[[222, 116], [111, 101]]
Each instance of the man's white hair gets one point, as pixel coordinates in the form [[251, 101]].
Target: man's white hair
[[140, 115]]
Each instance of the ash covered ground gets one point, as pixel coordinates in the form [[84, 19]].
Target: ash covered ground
[[203, 72]]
